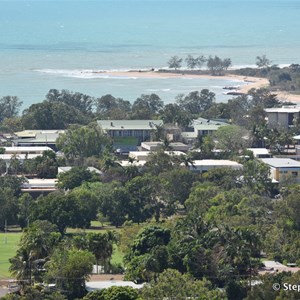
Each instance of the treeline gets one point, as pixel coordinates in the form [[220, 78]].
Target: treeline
[[215, 64], [213, 228]]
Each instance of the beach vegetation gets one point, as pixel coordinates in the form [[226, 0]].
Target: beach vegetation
[[193, 62], [217, 66], [262, 61], [175, 62]]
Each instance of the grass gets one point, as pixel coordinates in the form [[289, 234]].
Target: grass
[[9, 245], [117, 256], [8, 248]]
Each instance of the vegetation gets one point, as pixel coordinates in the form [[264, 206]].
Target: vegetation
[[187, 235]]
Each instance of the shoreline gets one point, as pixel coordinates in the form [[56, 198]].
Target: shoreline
[[248, 82]]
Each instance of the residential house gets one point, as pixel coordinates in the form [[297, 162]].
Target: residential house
[[283, 169], [202, 127]]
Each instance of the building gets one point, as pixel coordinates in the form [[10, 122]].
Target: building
[[8, 158], [204, 165], [26, 150], [128, 134], [284, 117], [105, 284], [66, 169], [260, 152], [202, 127], [34, 138], [153, 146], [143, 155], [37, 186], [283, 169]]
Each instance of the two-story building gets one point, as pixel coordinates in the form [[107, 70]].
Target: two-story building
[[128, 134], [284, 117]]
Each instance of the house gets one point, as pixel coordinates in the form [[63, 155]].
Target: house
[[283, 169], [204, 165], [284, 117], [36, 138], [260, 152], [128, 134], [202, 127]]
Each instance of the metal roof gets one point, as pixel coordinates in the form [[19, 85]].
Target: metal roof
[[292, 109], [99, 285], [281, 162], [216, 162], [129, 124]]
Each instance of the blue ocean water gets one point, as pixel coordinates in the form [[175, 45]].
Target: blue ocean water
[[49, 44]]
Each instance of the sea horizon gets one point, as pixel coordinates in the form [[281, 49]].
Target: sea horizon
[[49, 44]]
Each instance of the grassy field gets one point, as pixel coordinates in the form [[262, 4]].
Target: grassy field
[[8, 248], [9, 245]]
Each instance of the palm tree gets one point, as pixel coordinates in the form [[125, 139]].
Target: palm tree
[[109, 161], [20, 266], [186, 160]]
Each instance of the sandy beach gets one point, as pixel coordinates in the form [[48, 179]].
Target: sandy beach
[[249, 82]]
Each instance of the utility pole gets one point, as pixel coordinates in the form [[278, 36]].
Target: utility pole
[[5, 232]]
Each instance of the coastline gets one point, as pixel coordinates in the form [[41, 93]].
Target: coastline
[[248, 82]]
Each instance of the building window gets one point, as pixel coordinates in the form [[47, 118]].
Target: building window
[[294, 174]]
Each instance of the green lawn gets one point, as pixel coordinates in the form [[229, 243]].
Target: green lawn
[[117, 256], [8, 248]]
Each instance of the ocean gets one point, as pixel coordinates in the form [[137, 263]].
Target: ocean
[[50, 44]]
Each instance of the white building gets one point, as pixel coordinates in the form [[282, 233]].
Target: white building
[[260, 152], [153, 146], [205, 165], [144, 155], [282, 116], [283, 169]]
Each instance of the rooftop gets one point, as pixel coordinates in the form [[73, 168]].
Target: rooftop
[[10, 156], [216, 162], [99, 285], [207, 124], [129, 124], [26, 149], [281, 162], [284, 109], [259, 151]]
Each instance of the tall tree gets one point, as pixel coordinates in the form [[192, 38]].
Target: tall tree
[[146, 107], [78, 100], [80, 142], [109, 107], [263, 61], [69, 269], [196, 102], [9, 107], [174, 62], [52, 115]]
